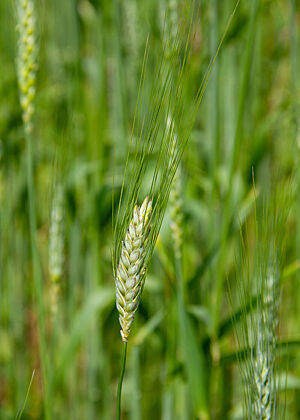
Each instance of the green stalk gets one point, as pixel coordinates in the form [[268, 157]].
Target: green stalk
[[194, 359], [214, 129], [38, 280], [119, 393], [119, 110], [215, 97], [296, 127], [233, 163], [135, 412]]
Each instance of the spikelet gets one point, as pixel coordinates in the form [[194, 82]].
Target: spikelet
[[131, 268], [262, 408], [27, 64], [263, 363], [56, 246], [176, 203]]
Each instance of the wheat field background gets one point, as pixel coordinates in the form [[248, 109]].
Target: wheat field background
[[213, 337]]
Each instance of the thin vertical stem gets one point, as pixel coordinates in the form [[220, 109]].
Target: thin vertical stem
[[135, 413], [119, 393], [37, 276], [295, 85]]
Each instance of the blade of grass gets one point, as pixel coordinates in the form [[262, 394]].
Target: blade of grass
[[194, 360], [19, 415], [119, 391], [99, 301], [135, 403]]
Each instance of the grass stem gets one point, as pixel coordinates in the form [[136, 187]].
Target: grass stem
[[194, 358], [123, 364], [37, 276]]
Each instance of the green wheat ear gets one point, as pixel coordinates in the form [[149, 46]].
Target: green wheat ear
[[261, 313], [176, 203], [27, 63], [155, 150], [131, 268], [56, 245], [263, 361]]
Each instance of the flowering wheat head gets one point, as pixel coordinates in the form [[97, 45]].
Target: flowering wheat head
[[27, 60], [131, 268]]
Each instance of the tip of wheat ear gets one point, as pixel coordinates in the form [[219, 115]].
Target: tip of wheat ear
[[131, 267], [27, 63]]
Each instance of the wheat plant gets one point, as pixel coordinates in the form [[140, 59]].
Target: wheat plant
[[83, 143], [259, 329], [154, 133], [27, 66], [56, 245], [27, 60]]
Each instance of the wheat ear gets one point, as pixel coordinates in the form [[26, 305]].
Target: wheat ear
[[265, 353], [263, 403], [56, 245], [131, 268], [27, 64], [176, 203]]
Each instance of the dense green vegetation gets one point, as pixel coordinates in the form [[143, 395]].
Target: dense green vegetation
[[231, 223]]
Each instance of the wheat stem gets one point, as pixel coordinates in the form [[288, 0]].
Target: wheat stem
[[37, 275], [119, 393], [27, 65]]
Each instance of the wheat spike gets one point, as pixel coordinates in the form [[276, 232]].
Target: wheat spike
[[27, 60], [266, 341], [131, 268], [176, 204], [56, 245], [262, 376]]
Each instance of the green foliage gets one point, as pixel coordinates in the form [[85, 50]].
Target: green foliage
[[107, 153]]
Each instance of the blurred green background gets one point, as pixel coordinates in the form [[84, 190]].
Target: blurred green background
[[90, 59]]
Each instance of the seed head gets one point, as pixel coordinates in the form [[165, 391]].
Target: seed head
[[27, 61], [176, 204], [131, 268], [56, 246]]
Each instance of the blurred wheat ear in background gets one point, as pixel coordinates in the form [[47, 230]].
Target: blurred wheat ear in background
[[176, 201], [260, 298], [56, 246]]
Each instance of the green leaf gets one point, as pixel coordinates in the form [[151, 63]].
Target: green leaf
[[148, 328], [97, 302], [201, 313], [195, 364], [288, 382], [19, 414], [284, 346]]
